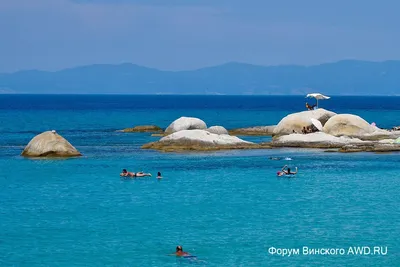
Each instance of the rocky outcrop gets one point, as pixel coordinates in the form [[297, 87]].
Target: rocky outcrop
[[256, 130], [314, 140], [342, 144], [143, 129], [217, 130], [50, 144], [376, 147], [296, 121], [354, 126], [186, 123], [200, 140]]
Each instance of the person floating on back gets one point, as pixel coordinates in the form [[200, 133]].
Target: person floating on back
[[286, 171], [126, 173]]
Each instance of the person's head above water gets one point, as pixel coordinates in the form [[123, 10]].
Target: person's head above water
[[124, 171], [158, 173], [288, 170], [179, 248]]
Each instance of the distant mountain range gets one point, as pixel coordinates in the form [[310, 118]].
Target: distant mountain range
[[348, 77]]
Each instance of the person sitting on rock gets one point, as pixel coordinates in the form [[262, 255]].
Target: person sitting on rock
[[310, 107]]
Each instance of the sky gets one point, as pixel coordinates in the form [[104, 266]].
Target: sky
[[190, 34]]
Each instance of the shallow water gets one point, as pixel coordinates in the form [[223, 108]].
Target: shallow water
[[228, 208]]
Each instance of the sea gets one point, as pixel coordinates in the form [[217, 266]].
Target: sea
[[227, 208]]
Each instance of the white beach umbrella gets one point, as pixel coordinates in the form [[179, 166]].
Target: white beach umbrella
[[318, 96], [317, 124]]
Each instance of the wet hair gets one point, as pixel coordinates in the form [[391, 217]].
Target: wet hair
[[179, 248], [158, 173], [288, 170], [124, 170]]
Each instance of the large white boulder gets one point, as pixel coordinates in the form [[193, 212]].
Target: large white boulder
[[217, 130], [202, 137], [296, 121], [200, 140], [49, 144], [355, 126], [185, 123]]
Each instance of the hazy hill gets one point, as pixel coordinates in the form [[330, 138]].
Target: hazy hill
[[341, 78]]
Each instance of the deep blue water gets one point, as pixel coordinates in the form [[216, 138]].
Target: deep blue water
[[227, 208]]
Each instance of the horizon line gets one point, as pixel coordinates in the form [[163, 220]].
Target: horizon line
[[216, 95]]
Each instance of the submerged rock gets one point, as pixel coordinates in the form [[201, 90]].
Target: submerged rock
[[143, 129], [296, 121], [157, 134], [50, 144], [200, 140], [256, 130], [354, 126], [185, 123], [217, 130]]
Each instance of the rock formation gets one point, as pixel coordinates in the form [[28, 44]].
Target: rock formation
[[49, 144], [185, 123]]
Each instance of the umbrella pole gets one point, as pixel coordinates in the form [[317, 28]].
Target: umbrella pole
[[317, 103]]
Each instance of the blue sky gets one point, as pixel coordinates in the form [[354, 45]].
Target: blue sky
[[188, 34]]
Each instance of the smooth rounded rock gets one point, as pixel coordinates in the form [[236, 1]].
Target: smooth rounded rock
[[217, 130], [186, 123], [50, 144], [200, 140], [354, 126], [296, 121]]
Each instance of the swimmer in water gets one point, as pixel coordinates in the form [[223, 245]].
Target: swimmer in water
[[286, 171], [159, 175], [126, 173], [187, 256], [180, 253]]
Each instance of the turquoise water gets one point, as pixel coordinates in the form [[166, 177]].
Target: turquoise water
[[228, 208]]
